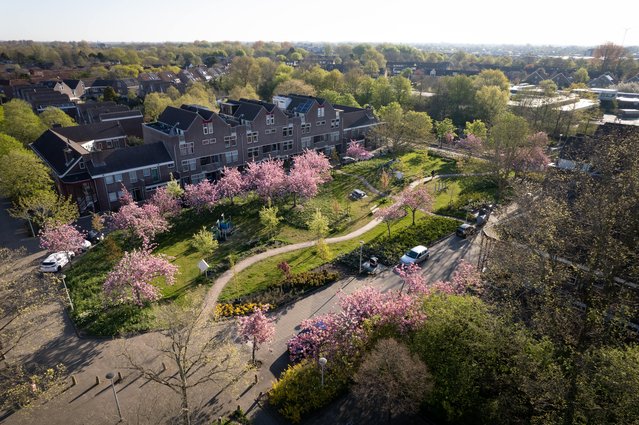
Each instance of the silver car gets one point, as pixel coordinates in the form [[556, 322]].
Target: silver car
[[416, 255]]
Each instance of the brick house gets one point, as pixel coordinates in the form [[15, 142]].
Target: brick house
[[91, 162], [201, 141]]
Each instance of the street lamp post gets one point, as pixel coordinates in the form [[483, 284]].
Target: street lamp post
[[67, 291], [361, 245], [110, 376], [322, 362]]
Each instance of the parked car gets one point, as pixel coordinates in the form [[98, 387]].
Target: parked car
[[465, 230], [94, 236], [86, 245], [416, 255], [348, 160], [55, 262], [357, 194]]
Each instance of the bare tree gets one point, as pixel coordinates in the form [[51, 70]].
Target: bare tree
[[193, 354], [391, 380]]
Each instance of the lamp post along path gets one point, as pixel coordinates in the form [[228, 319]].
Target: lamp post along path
[[322, 362], [110, 376]]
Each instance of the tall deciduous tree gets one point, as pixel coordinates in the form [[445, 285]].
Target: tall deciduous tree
[[507, 136], [131, 279], [478, 128], [267, 178], [445, 130], [22, 174], [391, 380], [390, 214], [193, 354], [9, 144], [142, 222], [256, 328], [490, 101], [318, 224], [401, 129], [167, 203], [269, 219], [201, 196], [357, 151], [52, 116], [45, 206], [20, 121]]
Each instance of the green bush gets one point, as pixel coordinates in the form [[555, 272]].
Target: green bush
[[390, 249], [299, 391], [309, 279]]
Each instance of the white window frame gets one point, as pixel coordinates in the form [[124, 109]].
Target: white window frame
[[133, 176], [307, 142], [108, 179], [320, 112], [233, 155], [187, 148], [118, 178], [253, 152], [270, 119], [146, 172], [287, 145]]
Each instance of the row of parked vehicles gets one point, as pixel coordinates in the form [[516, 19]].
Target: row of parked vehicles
[[58, 260]]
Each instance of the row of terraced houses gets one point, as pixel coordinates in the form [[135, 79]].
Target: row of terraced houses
[[93, 162]]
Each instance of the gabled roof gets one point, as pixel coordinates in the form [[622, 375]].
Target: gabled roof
[[50, 147], [177, 117], [245, 110], [73, 84], [202, 111], [110, 116], [119, 160], [95, 131]]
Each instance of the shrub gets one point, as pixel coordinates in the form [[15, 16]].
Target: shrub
[[236, 309], [299, 390], [309, 279]]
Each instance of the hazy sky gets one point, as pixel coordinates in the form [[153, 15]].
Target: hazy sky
[[556, 22]]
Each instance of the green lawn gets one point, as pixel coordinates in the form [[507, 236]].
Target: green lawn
[[453, 196], [265, 273]]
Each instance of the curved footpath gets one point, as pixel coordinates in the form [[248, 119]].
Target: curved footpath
[[211, 297]]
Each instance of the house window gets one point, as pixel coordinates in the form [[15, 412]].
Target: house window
[[318, 123], [118, 178], [189, 165], [230, 141], [186, 148], [306, 142], [109, 144], [133, 176], [171, 165], [81, 164], [320, 112], [306, 128], [230, 157], [108, 179], [213, 159], [270, 119], [288, 130], [253, 153], [335, 123], [335, 136], [113, 196], [251, 137], [205, 141], [207, 128], [147, 172], [155, 174], [287, 145]]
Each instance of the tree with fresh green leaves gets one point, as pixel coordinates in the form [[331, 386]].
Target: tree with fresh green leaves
[[45, 206], [506, 137], [22, 173], [318, 224], [581, 76], [294, 86], [9, 144], [478, 128], [492, 77], [204, 242], [52, 116], [401, 130], [269, 219], [154, 104], [490, 101], [445, 130], [21, 122]]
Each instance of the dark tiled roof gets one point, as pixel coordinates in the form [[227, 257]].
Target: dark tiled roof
[[73, 84], [177, 117], [141, 156], [245, 110], [98, 130], [346, 108], [108, 116], [269, 106], [50, 147], [366, 120], [205, 113], [132, 126], [103, 83]]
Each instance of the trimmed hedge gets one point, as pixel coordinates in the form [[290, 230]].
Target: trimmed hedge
[[390, 249], [232, 310]]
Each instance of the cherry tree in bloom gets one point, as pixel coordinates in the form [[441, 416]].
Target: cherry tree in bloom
[[167, 203], [317, 162], [143, 222], [267, 178], [63, 238], [130, 280], [412, 278], [416, 199], [302, 183], [471, 144], [449, 137], [357, 151], [532, 157], [466, 277], [231, 184], [390, 214], [201, 196], [257, 328]]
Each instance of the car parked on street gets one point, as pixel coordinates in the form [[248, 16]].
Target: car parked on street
[[55, 262], [94, 236], [415, 255], [465, 230]]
